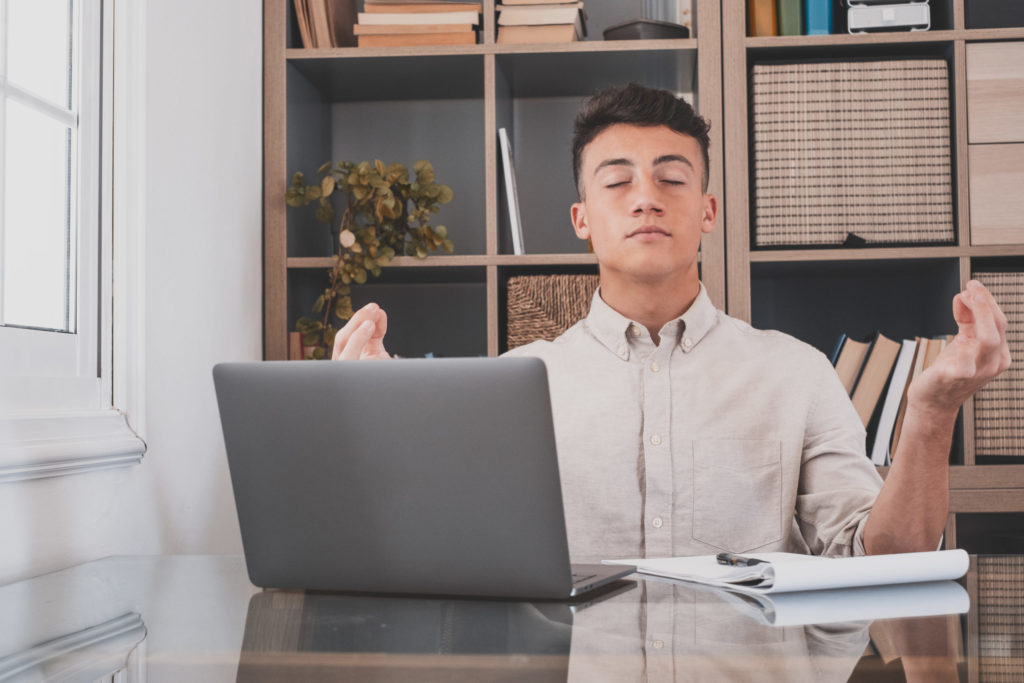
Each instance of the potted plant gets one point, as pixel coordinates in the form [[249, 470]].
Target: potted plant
[[386, 213]]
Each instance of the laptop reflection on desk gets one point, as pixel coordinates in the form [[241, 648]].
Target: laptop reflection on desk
[[436, 477]]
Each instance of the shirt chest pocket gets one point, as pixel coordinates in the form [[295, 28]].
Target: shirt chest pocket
[[737, 493]]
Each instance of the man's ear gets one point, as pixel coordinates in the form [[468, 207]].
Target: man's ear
[[578, 211], [707, 220]]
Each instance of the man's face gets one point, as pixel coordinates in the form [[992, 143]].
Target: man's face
[[643, 207]]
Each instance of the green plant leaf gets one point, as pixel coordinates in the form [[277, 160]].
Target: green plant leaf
[[445, 195], [319, 305], [319, 353], [324, 167], [327, 186]]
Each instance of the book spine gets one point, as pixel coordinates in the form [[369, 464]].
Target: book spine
[[762, 18], [819, 17], [790, 17]]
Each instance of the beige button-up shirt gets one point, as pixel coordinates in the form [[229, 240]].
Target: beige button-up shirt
[[721, 437]]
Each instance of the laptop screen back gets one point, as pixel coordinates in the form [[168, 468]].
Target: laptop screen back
[[408, 476]]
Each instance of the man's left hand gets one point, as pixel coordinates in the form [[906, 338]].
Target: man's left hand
[[978, 353]]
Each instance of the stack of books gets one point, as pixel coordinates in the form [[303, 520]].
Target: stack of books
[[541, 21], [877, 374], [417, 22]]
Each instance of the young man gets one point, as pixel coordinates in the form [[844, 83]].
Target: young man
[[683, 431]]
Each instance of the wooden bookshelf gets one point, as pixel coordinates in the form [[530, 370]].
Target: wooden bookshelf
[[902, 270], [445, 104], [311, 96]]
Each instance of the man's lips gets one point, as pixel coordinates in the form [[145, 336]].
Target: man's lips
[[651, 230]]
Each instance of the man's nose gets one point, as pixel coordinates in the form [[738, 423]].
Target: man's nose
[[646, 197]]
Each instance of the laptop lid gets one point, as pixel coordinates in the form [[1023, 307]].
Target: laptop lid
[[410, 476]]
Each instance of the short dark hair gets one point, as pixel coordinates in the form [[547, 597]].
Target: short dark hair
[[636, 105]]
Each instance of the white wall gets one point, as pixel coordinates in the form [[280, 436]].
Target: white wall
[[203, 286]]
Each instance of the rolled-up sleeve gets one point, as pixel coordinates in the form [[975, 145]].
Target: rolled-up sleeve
[[838, 483]]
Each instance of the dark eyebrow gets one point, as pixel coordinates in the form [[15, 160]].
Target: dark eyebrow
[[664, 159], [613, 162], [672, 157]]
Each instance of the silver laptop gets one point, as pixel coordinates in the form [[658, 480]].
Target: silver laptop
[[434, 477]]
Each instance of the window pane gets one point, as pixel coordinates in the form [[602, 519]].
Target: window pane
[[38, 244], [39, 47]]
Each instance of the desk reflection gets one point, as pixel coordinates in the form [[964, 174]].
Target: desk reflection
[[653, 632]]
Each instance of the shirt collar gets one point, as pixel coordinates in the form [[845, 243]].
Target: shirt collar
[[612, 329]]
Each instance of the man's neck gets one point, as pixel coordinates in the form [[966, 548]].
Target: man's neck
[[652, 304]]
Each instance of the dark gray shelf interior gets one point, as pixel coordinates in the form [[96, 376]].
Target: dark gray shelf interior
[[818, 301], [445, 313]]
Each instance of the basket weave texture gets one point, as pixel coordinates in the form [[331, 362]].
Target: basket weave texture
[[545, 306]]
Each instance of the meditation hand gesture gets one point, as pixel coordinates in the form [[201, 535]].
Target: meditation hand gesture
[[976, 355], [362, 337]]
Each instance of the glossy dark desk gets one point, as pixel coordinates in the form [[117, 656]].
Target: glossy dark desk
[[130, 619]]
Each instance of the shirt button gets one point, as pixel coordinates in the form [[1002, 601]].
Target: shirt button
[[687, 343], [656, 440], [655, 367], [622, 352], [635, 330], [658, 644], [657, 522]]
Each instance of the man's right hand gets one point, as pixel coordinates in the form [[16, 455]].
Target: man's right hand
[[362, 337]]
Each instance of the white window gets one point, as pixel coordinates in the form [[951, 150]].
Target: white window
[[57, 70]]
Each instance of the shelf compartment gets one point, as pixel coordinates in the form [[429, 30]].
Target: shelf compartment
[[354, 110], [440, 310], [537, 96], [506, 272], [818, 301]]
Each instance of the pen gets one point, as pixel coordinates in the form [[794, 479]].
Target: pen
[[737, 560]]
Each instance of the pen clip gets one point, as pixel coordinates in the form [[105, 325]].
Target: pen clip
[[734, 560]]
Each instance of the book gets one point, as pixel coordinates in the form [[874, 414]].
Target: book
[[837, 605], [791, 17], [552, 33], [917, 367], [511, 194], [534, 15], [319, 22], [818, 17], [847, 358], [302, 19], [407, 18], [893, 399], [393, 29], [402, 6], [539, 2], [341, 17], [789, 572], [873, 375], [761, 18], [403, 39]]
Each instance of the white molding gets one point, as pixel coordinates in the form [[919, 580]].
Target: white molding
[[52, 446], [95, 653], [129, 211]]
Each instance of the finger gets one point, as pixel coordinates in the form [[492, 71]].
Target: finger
[[376, 344], [979, 289], [341, 338], [357, 342], [983, 310]]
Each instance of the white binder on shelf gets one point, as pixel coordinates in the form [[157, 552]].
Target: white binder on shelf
[[511, 194]]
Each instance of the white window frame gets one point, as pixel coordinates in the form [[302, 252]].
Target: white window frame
[[55, 422]]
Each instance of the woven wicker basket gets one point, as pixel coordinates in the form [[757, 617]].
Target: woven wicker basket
[[545, 306]]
